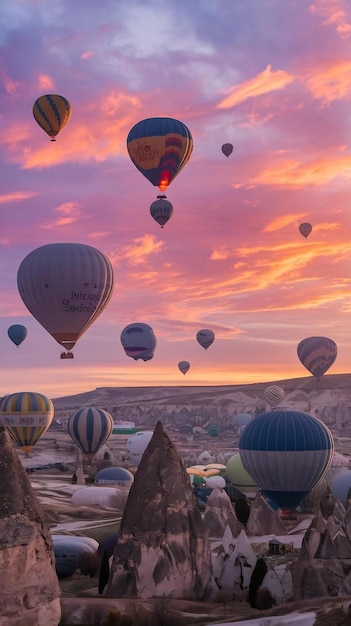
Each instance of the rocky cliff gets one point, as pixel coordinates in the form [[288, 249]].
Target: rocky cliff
[[29, 589]]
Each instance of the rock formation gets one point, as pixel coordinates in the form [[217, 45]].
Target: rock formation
[[29, 589], [263, 520], [163, 547], [323, 566], [219, 513]]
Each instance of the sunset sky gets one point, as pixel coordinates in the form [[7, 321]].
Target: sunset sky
[[271, 77]]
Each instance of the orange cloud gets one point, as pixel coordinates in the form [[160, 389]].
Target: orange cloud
[[333, 13], [294, 173], [282, 221], [17, 196], [329, 83], [69, 213], [264, 82], [139, 250], [87, 55]]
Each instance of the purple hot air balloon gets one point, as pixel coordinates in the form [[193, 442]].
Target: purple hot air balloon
[[317, 354]]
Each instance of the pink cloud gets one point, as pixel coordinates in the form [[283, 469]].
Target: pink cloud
[[264, 82]]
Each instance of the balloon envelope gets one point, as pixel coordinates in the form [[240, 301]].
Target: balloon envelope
[[205, 337], [305, 229], [317, 354], [65, 286], [52, 113], [137, 444], [161, 210], [159, 147], [184, 366], [139, 341], [238, 476], [286, 453], [273, 395], [227, 149], [17, 333], [26, 415], [90, 428]]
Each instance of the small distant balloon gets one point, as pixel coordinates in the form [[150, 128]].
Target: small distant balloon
[[227, 149], [17, 333], [305, 229], [317, 354], [184, 366], [52, 113], [273, 395], [205, 337], [159, 147], [161, 210]]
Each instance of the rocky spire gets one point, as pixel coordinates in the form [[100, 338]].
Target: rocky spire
[[163, 547], [29, 588]]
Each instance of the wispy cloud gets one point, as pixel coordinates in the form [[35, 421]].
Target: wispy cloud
[[264, 82]]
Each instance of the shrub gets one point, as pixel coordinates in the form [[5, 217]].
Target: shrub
[[264, 599], [89, 564]]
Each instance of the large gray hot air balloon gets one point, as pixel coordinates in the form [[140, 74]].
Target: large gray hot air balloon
[[138, 341], [65, 286]]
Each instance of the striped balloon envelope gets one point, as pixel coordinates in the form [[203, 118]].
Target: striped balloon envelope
[[159, 147], [26, 415], [90, 428], [52, 113], [274, 395], [286, 453], [317, 354]]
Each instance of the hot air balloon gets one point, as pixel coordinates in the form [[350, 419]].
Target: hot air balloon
[[273, 395], [26, 416], [90, 428], [286, 453], [205, 337], [159, 148], [305, 229], [184, 366], [52, 113], [317, 354], [161, 210], [139, 341], [239, 477], [65, 286], [17, 333], [227, 149], [137, 444]]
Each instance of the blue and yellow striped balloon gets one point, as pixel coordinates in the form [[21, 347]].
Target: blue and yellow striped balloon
[[26, 415], [160, 147], [52, 113], [90, 428]]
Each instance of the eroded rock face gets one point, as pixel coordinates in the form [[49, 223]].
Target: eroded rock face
[[29, 588], [263, 520], [219, 514], [163, 547]]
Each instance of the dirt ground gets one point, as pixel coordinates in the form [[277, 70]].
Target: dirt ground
[[329, 611]]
